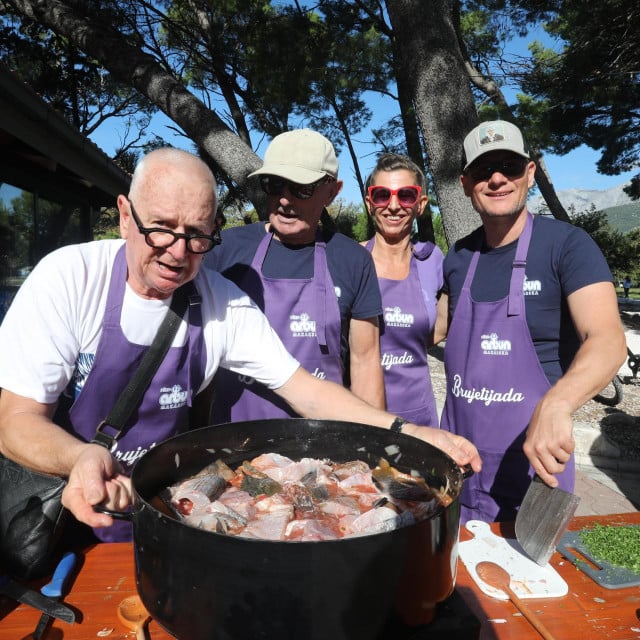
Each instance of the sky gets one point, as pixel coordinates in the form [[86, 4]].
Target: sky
[[575, 170]]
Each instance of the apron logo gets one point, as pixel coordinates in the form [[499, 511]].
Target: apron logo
[[393, 317], [532, 287], [172, 397], [302, 326], [389, 360], [484, 395], [319, 374], [491, 345]]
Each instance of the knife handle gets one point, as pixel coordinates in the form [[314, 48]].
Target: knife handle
[[55, 588]]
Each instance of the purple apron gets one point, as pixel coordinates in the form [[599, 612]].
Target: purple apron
[[494, 382], [306, 316], [164, 409], [409, 312]]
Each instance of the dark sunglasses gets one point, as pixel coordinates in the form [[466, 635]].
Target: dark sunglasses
[[274, 186], [511, 168], [381, 196]]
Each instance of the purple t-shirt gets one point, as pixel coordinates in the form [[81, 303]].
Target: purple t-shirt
[[562, 258]]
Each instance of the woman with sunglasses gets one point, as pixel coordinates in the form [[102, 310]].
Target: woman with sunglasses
[[410, 279]]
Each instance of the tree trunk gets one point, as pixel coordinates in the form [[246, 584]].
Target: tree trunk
[[547, 189], [431, 63], [412, 137]]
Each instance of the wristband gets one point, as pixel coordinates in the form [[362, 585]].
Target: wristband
[[397, 424]]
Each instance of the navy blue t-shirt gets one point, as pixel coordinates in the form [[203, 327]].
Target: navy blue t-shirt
[[350, 265], [562, 258]]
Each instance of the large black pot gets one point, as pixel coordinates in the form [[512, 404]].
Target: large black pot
[[206, 586]]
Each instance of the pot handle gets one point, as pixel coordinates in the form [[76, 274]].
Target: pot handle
[[117, 515], [467, 471]]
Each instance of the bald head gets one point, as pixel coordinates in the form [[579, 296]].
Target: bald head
[[173, 191], [181, 168]]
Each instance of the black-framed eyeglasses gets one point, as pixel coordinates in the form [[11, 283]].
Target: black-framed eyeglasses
[[274, 186], [509, 168], [381, 196], [163, 238]]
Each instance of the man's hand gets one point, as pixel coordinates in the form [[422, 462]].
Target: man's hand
[[96, 478], [460, 449], [549, 442]]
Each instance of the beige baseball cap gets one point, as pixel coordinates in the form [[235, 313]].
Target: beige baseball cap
[[302, 156], [496, 135]]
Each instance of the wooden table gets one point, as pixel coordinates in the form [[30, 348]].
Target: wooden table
[[588, 612], [106, 577]]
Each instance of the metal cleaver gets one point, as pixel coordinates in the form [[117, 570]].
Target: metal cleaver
[[542, 519]]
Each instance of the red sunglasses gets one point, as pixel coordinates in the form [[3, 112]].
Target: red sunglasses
[[381, 196]]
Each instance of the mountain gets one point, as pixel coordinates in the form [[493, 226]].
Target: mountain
[[581, 199], [624, 217], [622, 212]]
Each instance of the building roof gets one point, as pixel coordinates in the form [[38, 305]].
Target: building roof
[[41, 152]]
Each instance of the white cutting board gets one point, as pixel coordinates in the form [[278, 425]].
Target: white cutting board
[[528, 579]]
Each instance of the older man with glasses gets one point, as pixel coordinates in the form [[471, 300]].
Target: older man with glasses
[[317, 287], [86, 315], [534, 330]]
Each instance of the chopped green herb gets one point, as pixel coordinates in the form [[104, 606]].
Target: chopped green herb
[[617, 545]]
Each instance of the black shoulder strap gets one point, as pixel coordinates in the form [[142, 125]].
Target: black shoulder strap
[[132, 394]]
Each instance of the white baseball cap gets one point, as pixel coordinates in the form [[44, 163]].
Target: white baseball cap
[[302, 156], [496, 135]]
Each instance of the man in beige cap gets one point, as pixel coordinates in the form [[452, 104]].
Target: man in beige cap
[[318, 288], [534, 330]]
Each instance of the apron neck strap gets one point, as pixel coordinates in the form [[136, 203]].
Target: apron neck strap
[[516, 286]]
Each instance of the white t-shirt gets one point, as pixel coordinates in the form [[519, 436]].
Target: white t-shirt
[[57, 315]]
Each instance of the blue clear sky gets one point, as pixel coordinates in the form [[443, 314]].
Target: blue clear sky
[[576, 170]]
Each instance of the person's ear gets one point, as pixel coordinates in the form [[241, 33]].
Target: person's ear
[[422, 203], [336, 188], [370, 207], [531, 173], [125, 215], [467, 184]]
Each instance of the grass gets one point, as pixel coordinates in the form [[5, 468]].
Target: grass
[[634, 293]]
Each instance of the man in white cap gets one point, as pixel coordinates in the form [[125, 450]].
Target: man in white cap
[[534, 330], [318, 288]]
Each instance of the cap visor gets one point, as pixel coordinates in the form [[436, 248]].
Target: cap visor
[[299, 175]]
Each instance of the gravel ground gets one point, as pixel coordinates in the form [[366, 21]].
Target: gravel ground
[[619, 424]]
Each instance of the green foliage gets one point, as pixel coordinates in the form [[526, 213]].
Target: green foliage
[[590, 89], [624, 217], [70, 81], [438, 229], [348, 218], [107, 226], [615, 246], [363, 228]]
